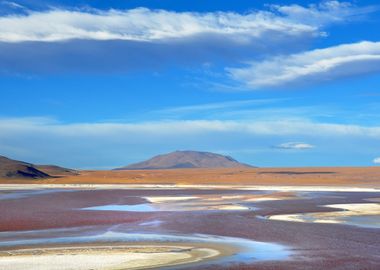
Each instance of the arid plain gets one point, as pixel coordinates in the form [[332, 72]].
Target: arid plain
[[313, 176]]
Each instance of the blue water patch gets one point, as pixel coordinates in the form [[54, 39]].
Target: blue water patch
[[145, 207], [19, 194], [367, 221]]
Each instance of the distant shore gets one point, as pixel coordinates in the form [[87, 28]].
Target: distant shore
[[358, 177], [184, 187]]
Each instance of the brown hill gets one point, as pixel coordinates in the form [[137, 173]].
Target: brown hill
[[56, 170], [186, 159], [10, 168]]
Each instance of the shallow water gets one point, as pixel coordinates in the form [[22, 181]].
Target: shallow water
[[364, 221], [145, 207], [18, 194]]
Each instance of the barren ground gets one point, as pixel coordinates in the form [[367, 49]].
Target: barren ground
[[328, 176]]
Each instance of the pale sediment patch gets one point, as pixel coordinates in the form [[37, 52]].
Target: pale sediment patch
[[358, 214], [162, 199], [232, 207], [213, 248], [233, 202], [104, 258], [199, 203], [358, 208], [213, 202], [231, 197]]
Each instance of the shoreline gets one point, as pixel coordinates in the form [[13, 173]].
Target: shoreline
[[331, 188]]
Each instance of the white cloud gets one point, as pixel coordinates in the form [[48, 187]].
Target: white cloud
[[316, 65], [143, 24], [138, 25], [295, 145], [376, 160], [77, 40]]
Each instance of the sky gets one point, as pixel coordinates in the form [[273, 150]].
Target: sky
[[101, 84]]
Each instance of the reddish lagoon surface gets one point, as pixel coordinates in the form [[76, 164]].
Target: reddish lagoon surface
[[188, 228]]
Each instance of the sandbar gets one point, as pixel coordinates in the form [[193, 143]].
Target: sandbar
[[104, 257]]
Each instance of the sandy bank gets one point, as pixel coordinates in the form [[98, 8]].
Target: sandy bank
[[103, 257], [343, 216]]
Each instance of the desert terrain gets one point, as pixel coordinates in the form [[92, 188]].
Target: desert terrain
[[313, 176]]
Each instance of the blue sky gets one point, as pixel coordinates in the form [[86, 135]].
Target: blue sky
[[100, 84]]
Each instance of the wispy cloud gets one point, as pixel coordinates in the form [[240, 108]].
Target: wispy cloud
[[325, 12], [139, 25], [217, 106], [143, 24], [376, 160], [12, 4], [295, 145], [312, 66]]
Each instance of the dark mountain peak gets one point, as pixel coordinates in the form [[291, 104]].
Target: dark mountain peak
[[186, 159], [10, 168]]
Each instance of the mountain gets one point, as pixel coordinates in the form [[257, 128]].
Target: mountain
[[10, 168], [186, 159]]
